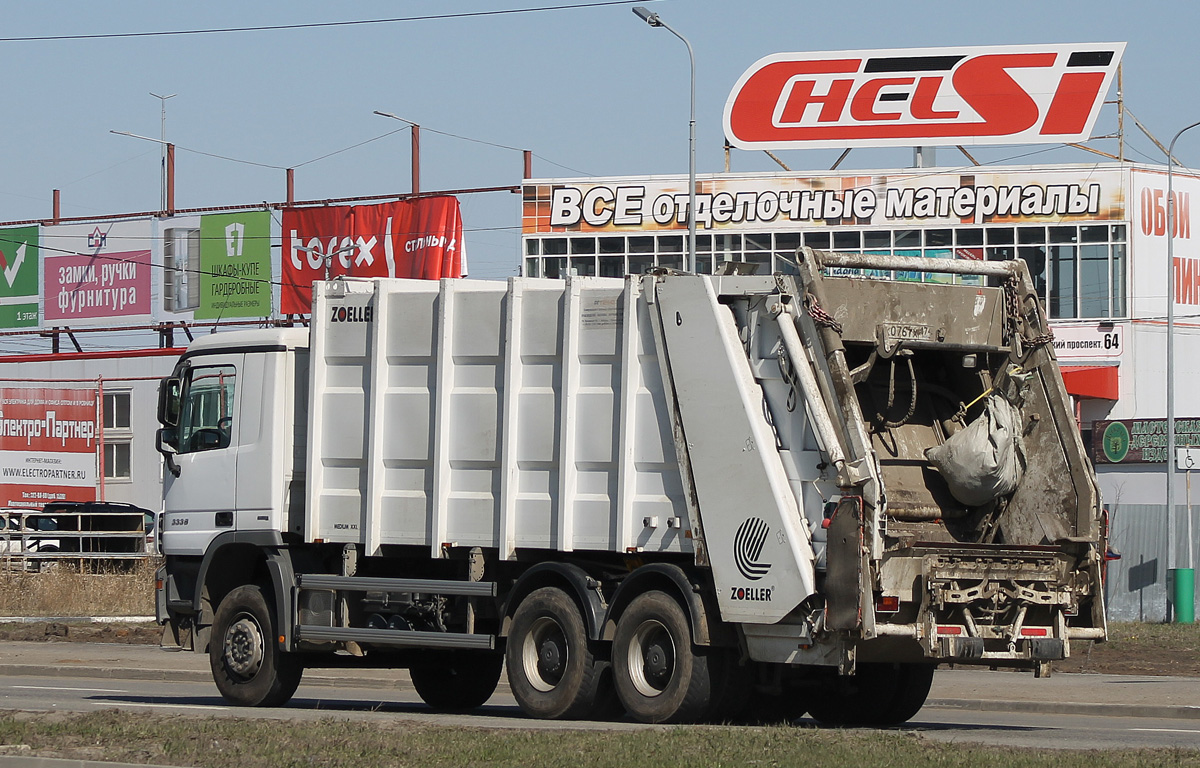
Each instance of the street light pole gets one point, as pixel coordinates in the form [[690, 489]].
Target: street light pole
[[168, 201], [327, 258], [654, 20], [1182, 592], [163, 139], [416, 149]]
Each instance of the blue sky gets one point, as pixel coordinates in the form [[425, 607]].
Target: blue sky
[[591, 91]]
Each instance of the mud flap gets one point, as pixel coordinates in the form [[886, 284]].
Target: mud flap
[[843, 576]]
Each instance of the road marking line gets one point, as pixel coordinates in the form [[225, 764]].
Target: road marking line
[[172, 706], [1166, 730], [56, 688]]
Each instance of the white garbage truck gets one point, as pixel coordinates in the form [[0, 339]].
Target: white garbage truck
[[675, 497]]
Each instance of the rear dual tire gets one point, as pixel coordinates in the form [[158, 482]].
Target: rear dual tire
[[661, 677], [876, 695], [552, 671]]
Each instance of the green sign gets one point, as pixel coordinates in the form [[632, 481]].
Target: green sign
[[235, 265], [19, 272], [1116, 442], [1140, 441]]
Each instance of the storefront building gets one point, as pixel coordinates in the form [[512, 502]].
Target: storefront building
[[1094, 237]]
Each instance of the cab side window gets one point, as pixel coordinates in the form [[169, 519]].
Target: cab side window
[[206, 408]]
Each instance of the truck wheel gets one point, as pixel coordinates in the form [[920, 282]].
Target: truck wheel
[[551, 670], [732, 686], [456, 680], [660, 676], [247, 665], [912, 690], [876, 695]]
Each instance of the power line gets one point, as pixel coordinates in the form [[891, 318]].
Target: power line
[[231, 159], [315, 25], [352, 146], [503, 146]]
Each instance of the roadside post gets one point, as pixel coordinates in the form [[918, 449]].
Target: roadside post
[[1183, 591]]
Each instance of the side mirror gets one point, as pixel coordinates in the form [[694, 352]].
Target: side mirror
[[164, 441], [168, 401]]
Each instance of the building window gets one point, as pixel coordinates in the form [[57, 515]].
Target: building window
[[118, 436], [1078, 271], [116, 410], [116, 460]]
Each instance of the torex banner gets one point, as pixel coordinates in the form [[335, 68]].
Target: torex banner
[[1026, 94], [47, 445], [419, 238]]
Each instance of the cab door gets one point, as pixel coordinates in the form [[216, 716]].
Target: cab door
[[199, 503]]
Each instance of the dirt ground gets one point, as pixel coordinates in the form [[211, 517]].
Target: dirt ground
[[1140, 649], [147, 633], [1134, 649], [1103, 659]]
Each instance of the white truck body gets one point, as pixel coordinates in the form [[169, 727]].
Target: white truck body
[[447, 467]]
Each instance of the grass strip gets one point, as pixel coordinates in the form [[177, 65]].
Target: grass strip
[[193, 741]]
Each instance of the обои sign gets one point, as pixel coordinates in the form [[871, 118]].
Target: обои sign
[[1024, 94]]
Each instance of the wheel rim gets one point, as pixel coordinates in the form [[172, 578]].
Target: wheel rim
[[244, 647], [544, 654], [651, 658]]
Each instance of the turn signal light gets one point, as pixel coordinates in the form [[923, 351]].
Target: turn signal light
[[887, 604]]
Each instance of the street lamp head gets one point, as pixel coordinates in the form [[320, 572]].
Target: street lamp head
[[143, 138], [646, 15], [394, 117]]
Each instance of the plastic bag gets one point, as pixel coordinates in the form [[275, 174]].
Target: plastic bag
[[985, 460]]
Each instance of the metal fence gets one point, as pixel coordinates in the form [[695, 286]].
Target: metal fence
[[29, 539], [1137, 588]]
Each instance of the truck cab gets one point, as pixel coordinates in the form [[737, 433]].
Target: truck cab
[[235, 436]]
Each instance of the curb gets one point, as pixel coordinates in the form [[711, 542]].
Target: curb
[[201, 676], [18, 760], [103, 673], [1182, 712], [77, 619]]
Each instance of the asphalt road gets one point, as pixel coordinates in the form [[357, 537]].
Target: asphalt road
[[80, 693]]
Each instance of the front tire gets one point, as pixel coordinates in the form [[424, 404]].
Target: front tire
[[660, 675], [247, 665], [456, 680], [551, 670]]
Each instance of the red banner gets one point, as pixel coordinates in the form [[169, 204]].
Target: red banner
[[47, 446], [409, 238]]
